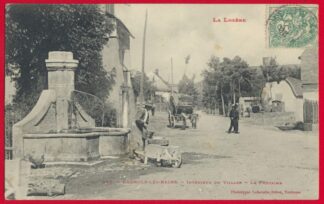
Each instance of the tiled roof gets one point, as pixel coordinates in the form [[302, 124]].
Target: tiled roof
[[159, 83], [296, 86], [120, 23]]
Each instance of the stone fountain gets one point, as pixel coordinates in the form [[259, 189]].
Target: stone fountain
[[53, 130]]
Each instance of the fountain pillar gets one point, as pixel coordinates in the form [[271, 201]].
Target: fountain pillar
[[61, 67]]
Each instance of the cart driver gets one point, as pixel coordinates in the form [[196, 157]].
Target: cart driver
[[172, 107]]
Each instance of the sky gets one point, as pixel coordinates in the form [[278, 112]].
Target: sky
[[178, 30]]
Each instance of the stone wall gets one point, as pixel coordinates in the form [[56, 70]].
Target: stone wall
[[309, 65], [271, 118], [112, 64], [116, 61]]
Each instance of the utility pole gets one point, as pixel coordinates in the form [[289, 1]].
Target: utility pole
[[142, 100]]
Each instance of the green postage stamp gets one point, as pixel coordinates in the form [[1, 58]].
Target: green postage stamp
[[291, 26]]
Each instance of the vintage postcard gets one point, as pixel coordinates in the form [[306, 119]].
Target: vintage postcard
[[161, 102]]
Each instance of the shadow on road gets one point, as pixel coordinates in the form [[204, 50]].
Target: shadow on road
[[194, 157], [177, 127]]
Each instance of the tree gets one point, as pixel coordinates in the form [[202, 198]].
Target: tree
[[269, 69], [237, 71], [227, 79], [215, 82], [34, 30], [149, 89], [289, 71], [187, 86], [272, 71]]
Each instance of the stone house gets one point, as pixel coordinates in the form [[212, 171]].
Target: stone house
[[309, 77], [285, 96], [163, 90], [116, 60], [309, 73], [246, 103]]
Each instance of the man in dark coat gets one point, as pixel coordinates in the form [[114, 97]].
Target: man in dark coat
[[234, 116]]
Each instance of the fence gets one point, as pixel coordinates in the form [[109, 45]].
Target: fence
[[8, 139], [9, 122], [310, 111], [272, 118], [91, 104]]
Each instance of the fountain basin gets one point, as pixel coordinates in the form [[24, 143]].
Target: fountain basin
[[76, 145], [112, 141]]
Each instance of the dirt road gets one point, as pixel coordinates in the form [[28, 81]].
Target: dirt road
[[258, 163]]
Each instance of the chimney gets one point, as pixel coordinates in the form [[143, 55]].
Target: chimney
[[110, 9], [266, 61]]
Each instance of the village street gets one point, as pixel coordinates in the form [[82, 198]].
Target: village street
[[260, 162]]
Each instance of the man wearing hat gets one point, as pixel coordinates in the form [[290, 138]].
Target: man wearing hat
[[142, 121], [234, 116]]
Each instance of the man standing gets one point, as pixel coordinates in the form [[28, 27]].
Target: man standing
[[234, 116], [153, 109], [142, 122]]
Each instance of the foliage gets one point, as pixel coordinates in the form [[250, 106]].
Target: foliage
[[187, 86], [289, 71], [269, 70], [272, 71], [149, 88], [101, 111], [34, 30], [225, 81], [104, 115]]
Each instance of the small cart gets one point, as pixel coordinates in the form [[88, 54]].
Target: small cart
[[161, 155]]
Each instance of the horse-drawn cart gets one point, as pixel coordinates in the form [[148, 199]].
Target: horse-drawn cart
[[183, 111]]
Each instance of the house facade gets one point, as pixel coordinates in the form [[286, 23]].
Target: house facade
[[309, 73], [163, 90], [116, 60], [285, 96], [309, 77]]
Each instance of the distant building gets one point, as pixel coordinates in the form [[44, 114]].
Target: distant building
[[163, 90], [285, 96], [246, 103], [116, 60]]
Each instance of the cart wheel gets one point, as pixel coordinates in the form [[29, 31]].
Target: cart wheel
[[177, 163]]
